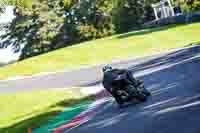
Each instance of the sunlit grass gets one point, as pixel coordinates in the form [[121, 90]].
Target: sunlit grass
[[132, 44], [25, 110]]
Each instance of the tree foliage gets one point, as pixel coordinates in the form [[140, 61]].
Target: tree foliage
[[191, 5], [91, 19], [50, 24], [129, 15]]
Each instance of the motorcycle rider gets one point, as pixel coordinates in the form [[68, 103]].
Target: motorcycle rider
[[110, 83]]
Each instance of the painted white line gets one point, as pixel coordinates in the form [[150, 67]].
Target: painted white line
[[92, 89]]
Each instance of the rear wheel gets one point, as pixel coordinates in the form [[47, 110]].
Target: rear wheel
[[118, 99]]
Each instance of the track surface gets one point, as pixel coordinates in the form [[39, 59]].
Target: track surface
[[85, 76], [173, 79], [174, 106]]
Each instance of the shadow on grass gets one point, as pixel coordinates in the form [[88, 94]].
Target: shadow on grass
[[36, 121], [42, 118], [147, 31], [70, 102]]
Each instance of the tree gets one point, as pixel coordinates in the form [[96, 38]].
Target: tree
[[34, 29], [1, 10], [90, 19], [148, 10], [52, 24], [129, 15], [191, 5], [47, 19]]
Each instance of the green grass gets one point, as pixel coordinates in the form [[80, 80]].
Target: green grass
[[132, 44], [25, 110]]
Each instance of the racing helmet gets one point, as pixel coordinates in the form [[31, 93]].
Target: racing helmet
[[107, 68]]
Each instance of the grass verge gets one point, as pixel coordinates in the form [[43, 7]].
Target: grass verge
[[132, 44], [25, 110]]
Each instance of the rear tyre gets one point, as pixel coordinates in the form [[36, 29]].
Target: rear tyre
[[118, 99], [120, 103]]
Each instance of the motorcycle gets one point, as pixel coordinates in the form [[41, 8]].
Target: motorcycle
[[130, 92]]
